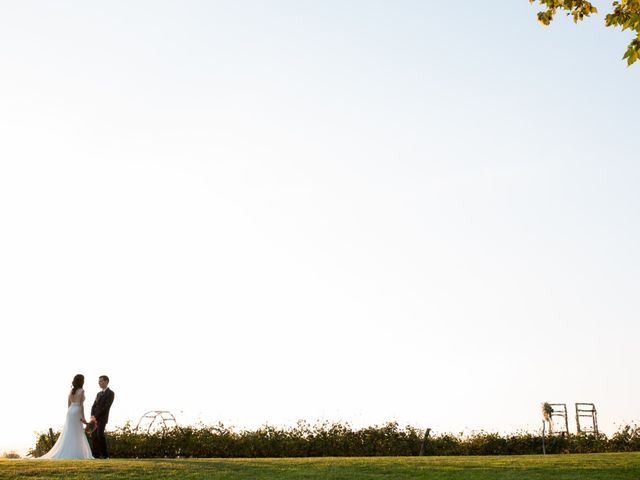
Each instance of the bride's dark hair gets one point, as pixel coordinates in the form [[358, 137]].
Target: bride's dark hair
[[78, 382]]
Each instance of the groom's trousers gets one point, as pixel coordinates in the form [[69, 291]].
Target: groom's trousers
[[99, 442]]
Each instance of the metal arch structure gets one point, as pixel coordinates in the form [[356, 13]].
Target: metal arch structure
[[162, 418]]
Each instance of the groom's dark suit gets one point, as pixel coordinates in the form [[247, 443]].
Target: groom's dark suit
[[100, 410]]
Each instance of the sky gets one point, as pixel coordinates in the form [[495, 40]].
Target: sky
[[364, 211]]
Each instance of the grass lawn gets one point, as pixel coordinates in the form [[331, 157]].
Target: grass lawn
[[609, 466]]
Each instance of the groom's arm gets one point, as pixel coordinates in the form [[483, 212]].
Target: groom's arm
[[98, 408], [103, 406], [109, 401]]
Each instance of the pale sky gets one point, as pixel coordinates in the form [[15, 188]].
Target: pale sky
[[258, 212]]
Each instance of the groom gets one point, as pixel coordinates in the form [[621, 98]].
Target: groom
[[100, 413]]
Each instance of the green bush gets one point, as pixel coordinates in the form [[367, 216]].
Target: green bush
[[10, 455], [340, 440], [44, 443]]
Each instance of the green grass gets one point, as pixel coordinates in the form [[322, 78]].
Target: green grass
[[609, 466]]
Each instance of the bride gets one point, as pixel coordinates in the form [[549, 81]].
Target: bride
[[72, 443]]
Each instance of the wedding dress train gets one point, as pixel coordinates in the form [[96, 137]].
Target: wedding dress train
[[72, 443]]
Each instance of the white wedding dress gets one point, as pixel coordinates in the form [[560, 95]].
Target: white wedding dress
[[72, 443]]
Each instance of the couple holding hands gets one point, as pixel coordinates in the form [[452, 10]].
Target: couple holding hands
[[73, 443]]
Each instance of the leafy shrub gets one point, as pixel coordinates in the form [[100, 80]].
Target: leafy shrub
[[44, 443], [10, 455], [340, 439]]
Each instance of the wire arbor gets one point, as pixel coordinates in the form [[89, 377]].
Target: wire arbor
[[158, 419]]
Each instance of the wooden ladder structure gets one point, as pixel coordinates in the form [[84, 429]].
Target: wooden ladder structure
[[587, 411], [559, 411]]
